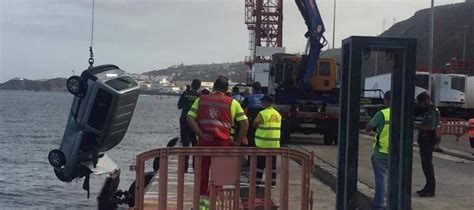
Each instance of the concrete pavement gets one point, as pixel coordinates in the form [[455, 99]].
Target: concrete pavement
[[454, 175], [461, 146]]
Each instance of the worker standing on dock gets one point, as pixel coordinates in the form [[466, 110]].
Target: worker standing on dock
[[186, 100], [381, 124], [426, 142], [236, 94], [253, 105], [267, 135], [211, 117], [470, 133]]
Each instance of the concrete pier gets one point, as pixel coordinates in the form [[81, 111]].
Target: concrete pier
[[454, 173]]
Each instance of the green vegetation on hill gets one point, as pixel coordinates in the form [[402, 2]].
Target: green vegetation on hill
[[237, 72], [56, 84]]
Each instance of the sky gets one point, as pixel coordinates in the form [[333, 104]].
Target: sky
[[42, 39]]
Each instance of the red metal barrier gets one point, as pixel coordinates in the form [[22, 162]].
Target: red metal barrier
[[453, 126], [225, 171]]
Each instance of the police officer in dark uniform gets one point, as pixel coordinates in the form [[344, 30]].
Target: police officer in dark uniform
[[186, 100], [427, 141], [253, 105]]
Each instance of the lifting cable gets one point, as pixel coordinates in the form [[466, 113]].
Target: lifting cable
[[91, 53]]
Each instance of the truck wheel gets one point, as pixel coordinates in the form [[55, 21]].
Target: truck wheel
[[328, 139]]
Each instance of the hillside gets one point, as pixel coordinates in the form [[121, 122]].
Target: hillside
[[449, 28], [56, 84], [450, 22], [237, 72]]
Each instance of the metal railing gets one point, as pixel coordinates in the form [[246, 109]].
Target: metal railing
[[453, 126], [228, 157]]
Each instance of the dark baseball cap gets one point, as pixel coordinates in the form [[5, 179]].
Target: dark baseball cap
[[422, 97]]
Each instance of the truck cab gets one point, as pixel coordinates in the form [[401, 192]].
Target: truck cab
[[285, 72], [315, 112], [324, 77]]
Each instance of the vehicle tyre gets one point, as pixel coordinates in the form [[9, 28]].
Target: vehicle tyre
[[328, 139], [131, 190], [76, 86], [60, 175], [56, 158]]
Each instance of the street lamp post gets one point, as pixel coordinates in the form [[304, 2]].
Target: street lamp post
[[430, 50], [334, 27], [466, 27]]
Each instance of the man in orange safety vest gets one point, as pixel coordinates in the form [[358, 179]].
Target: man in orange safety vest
[[470, 133]]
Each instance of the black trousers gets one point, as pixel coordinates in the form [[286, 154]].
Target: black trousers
[[252, 114], [251, 138], [261, 169], [426, 143], [188, 138]]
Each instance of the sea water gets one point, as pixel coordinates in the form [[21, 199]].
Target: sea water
[[32, 124]]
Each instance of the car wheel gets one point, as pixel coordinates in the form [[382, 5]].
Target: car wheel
[[76, 86], [60, 175], [56, 158]]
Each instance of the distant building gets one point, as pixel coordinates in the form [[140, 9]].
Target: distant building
[[182, 83], [207, 85], [162, 80], [140, 77]]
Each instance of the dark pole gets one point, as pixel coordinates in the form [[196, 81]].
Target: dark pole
[[401, 121], [430, 46], [401, 130], [466, 27], [342, 136], [334, 27], [352, 147], [258, 27], [349, 126], [280, 25]]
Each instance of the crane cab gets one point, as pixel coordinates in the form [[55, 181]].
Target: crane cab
[[285, 70], [324, 77]]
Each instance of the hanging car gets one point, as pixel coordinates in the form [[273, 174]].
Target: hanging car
[[102, 108]]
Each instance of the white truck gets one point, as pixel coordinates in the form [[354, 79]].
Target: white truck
[[261, 70], [260, 73], [448, 90]]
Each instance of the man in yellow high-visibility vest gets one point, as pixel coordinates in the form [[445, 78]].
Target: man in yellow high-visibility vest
[[381, 124], [267, 135]]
